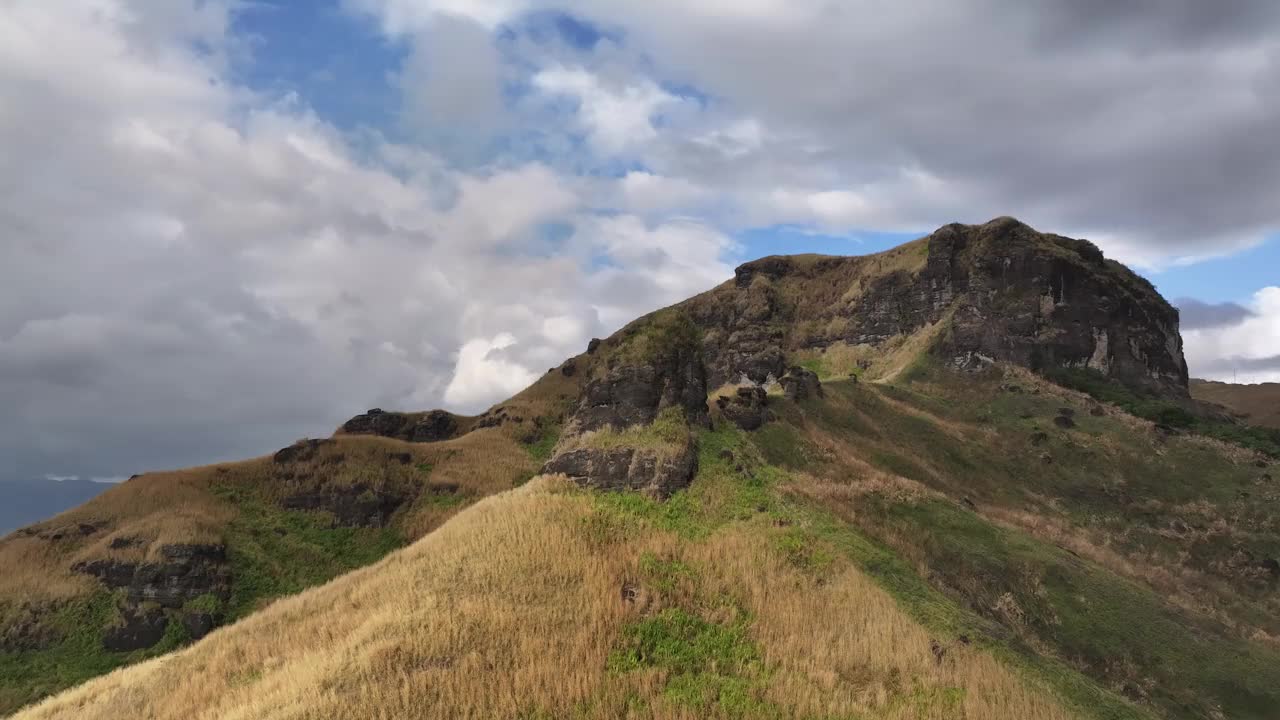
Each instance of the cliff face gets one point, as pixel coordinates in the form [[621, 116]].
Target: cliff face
[[970, 294], [1001, 291]]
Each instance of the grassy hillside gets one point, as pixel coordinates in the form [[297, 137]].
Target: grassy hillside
[[1256, 404], [707, 607], [274, 522], [871, 507], [940, 547]]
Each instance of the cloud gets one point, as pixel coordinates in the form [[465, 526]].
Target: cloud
[[451, 83], [482, 366], [1244, 350], [1142, 125], [196, 272], [1197, 315], [615, 118]]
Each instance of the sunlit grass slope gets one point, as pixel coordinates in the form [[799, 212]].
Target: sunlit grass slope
[[549, 602], [271, 550]]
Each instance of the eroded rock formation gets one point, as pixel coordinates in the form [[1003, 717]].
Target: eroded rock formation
[[155, 592], [430, 426], [1001, 291]]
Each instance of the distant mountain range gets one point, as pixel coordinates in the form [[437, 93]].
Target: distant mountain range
[[23, 502]]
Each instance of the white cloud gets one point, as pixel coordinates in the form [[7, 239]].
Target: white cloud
[[409, 16], [647, 192], [483, 373], [451, 82], [616, 118], [194, 272], [1247, 351]]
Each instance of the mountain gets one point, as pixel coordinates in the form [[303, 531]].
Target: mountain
[[1257, 404], [963, 478], [23, 502]]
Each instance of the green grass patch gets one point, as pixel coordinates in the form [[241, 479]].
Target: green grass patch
[[781, 444], [950, 618], [665, 574], [207, 603], [1152, 407], [29, 676], [274, 552], [668, 431], [659, 335], [541, 447], [733, 483], [803, 550], [711, 667], [1115, 630]]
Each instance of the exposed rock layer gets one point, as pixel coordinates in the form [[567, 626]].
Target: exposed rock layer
[[1004, 291], [155, 592]]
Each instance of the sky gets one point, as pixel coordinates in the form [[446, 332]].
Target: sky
[[225, 225]]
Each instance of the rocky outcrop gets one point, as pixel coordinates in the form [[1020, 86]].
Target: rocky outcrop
[[27, 630], [301, 451], [376, 421], [155, 593], [746, 408], [430, 426], [995, 292], [800, 384], [1044, 301], [357, 505], [658, 473], [652, 366], [184, 572], [635, 384], [137, 628]]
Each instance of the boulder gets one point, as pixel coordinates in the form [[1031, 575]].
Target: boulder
[[800, 384], [376, 422], [199, 624], [301, 451], [657, 473], [434, 426], [746, 408], [137, 629], [357, 505]]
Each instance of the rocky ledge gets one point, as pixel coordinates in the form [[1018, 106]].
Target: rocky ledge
[[651, 367], [430, 426], [157, 593], [1001, 291], [657, 473]]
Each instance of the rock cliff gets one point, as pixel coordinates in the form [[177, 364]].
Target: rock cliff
[[969, 294], [997, 291]]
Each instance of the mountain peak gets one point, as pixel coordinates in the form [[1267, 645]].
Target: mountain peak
[[996, 291]]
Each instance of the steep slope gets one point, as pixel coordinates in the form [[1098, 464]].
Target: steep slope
[[165, 557], [1256, 404], [856, 498], [544, 603]]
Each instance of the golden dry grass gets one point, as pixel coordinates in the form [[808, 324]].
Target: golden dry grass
[[512, 609]]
